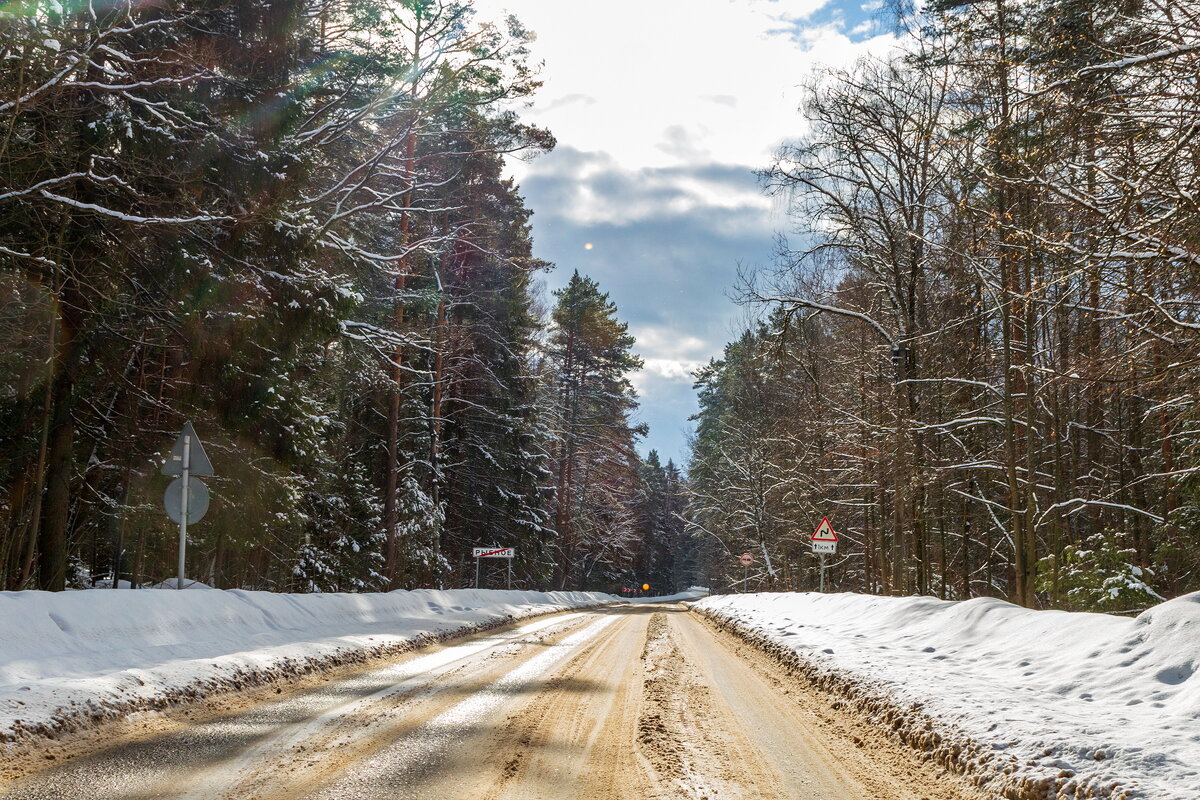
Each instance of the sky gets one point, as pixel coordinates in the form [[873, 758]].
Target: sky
[[663, 110]]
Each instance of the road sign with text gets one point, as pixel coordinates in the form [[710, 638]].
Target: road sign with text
[[824, 538], [495, 552]]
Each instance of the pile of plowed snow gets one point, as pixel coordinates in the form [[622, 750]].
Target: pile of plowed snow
[[1031, 703], [69, 659]]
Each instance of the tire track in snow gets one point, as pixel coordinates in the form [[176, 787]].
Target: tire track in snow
[[383, 773], [416, 678], [232, 755]]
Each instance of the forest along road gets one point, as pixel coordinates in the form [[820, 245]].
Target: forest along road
[[640, 701]]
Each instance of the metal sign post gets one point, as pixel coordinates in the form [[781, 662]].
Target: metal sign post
[[186, 499], [747, 559], [183, 513]]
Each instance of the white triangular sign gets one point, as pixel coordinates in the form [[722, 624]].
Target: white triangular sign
[[824, 532]]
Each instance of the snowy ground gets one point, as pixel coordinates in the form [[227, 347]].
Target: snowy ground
[[1033, 704], [70, 659]]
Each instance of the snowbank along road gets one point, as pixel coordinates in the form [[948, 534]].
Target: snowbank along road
[[637, 701]]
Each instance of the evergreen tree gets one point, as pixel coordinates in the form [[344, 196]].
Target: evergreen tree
[[487, 438], [662, 549], [237, 213], [593, 460]]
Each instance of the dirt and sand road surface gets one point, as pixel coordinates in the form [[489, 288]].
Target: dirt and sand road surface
[[641, 702]]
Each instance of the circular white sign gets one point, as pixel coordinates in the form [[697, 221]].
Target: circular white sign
[[197, 500]]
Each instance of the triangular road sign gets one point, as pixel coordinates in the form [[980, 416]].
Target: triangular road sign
[[200, 465], [824, 532]]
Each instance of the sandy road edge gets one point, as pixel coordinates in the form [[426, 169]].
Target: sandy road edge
[[75, 722], [995, 774]]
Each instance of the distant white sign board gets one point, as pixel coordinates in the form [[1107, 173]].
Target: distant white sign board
[[495, 552]]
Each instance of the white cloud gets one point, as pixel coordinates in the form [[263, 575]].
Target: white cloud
[[668, 354], [596, 189], [569, 100], [662, 109], [673, 369], [669, 343], [647, 67]]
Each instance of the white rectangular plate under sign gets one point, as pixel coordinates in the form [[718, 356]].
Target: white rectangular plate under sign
[[495, 552], [824, 547]]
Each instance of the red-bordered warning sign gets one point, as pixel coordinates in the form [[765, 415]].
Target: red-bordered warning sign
[[824, 532]]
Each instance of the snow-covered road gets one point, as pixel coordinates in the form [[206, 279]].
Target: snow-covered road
[[637, 701]]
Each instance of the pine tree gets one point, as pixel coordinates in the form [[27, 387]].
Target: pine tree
[[660, 524], [593, 460]]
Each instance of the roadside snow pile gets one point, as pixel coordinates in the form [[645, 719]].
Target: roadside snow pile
[[70, 659], [1031, 704]]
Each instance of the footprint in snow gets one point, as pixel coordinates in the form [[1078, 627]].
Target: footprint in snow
[[1173, 676]]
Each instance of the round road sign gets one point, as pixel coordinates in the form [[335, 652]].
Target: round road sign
[[197, 500], [747, 559]]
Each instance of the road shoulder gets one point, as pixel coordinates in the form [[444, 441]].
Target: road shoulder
[[870, 747]]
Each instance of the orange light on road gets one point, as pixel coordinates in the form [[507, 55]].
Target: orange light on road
[[645, 587]]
